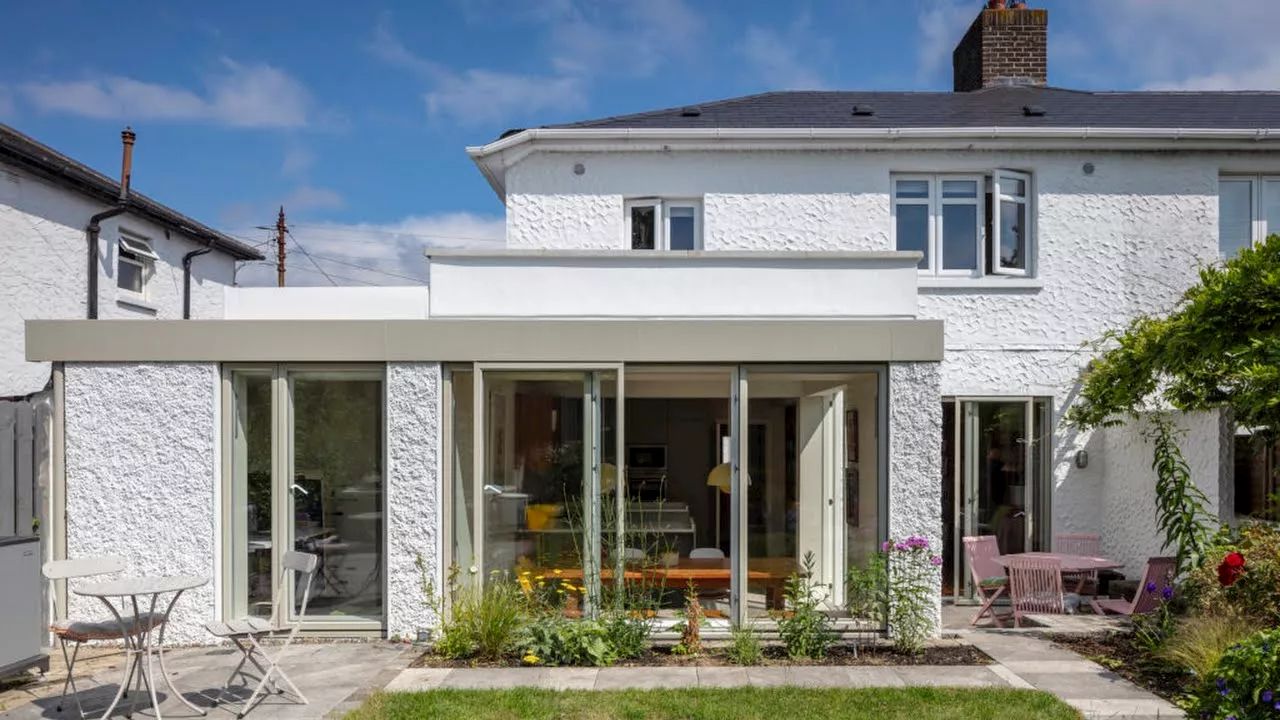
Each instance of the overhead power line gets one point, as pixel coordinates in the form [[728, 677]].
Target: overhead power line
[[308, 254]]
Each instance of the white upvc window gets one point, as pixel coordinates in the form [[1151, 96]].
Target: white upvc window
[[1248, 211], [663, 224], [1011, 227], [965, 225], [135, 264]]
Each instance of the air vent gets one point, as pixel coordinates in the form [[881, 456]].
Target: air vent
[[864, 110], [691, 111], [1033, 111]]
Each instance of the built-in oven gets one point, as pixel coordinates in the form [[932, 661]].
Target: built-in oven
[[647, 472]]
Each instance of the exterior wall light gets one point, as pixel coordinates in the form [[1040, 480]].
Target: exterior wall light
[[1082, 459]]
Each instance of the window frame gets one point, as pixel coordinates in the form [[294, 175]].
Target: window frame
[[138, 252], [989, 189], [1257, 217], [999, 178], [662, 221]]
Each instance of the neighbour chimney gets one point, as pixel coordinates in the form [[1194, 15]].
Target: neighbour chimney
[[127, 136], [1004, 46]]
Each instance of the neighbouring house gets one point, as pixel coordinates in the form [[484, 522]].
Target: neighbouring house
[[722, 337], [77, 244]]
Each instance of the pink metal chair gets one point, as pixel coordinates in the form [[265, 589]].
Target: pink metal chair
[[1156, 576], [989, 578], [1086, 544], [1035, 587]]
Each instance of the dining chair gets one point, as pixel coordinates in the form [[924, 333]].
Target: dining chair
[[1035, 587], [989, 579], [1156, 576], [78, 631], [706, 553], [633, 555], [1086, 544], [248, 633]]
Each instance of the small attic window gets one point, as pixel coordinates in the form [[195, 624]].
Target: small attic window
[[691, 111], [863, 110], [1033, 111]]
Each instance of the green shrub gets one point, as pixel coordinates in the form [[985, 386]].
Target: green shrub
[[552, 640], [483, 622], [1200, 641], [1255, 593], [1245, 683], [745, 647], [627, 632], [805, 629], [867, 589]]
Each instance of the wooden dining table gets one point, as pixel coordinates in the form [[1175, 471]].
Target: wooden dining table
[[768, 573], [1081, 565]]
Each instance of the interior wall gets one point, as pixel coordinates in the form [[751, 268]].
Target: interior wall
[[686, 426]]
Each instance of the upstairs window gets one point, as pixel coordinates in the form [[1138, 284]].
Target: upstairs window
[[965, 225], [135, 264], [664, 224], [1248, 211]]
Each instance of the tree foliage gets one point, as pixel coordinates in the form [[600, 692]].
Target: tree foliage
[[1218, 349]]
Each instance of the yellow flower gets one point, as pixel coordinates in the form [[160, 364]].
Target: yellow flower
[[526, 573], [558, 571], [531, 659], [539, 577]]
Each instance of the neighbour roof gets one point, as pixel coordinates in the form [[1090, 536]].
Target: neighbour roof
[[53, 165], [1004, 106]]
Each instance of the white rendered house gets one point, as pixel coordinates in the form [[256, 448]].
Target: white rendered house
[[870, 307]]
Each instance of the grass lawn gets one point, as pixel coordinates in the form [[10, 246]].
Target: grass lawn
[[716, 704]]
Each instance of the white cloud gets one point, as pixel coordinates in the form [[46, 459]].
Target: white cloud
[[782, 61], [1171, 45], [297, 160], [475, 95], [253, 96], [6, 102], [587, 41], [941, 24], [375, 253], [306, 197]]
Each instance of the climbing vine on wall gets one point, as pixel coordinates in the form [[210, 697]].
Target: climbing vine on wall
[[1218, 349]]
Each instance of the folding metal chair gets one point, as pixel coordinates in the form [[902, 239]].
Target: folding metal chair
[[248, 633], [77, 631]]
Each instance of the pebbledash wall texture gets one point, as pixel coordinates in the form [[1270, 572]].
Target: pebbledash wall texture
[[149, 490], [915, 458], [1123, 238], [141, 470]]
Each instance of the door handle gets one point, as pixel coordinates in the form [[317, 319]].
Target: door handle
[[298, 488]]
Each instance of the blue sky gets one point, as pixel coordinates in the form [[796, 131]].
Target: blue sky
[[355, 115]]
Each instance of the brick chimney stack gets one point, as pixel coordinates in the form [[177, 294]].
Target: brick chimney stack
[[1004, 46]]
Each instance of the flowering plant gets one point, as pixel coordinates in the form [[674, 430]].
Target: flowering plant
[[1230, 569], [913, 584], [1245, 683]]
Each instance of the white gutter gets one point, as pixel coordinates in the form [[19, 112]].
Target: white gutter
[[493, 158]]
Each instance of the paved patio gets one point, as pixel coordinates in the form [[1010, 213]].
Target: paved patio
[[335, 677]]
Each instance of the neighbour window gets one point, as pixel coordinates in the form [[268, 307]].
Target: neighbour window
[[1257, 487], [135, 264], [657, 224], [1248, 211], [965, 225]]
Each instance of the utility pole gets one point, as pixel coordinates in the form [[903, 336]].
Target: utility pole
[[281, 228]]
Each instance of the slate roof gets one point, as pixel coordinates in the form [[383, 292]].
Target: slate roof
[[22, 150], [990, 107]]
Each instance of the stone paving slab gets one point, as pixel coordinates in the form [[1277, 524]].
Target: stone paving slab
[[416, 679], [1104, 685], [1095, 709], [868, 677], [650, 678], [957, 676], [494, 678], [572, 678], [713, 677]]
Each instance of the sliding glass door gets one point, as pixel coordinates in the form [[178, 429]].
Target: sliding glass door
[[546, 441], [995, 477], [305, 471]]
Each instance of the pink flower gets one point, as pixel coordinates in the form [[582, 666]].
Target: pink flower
[[935, 561]]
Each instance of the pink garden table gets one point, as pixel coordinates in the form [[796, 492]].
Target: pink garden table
[[1081, 565]]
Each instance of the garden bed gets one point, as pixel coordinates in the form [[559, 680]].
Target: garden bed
[[1119, 654], [947, 653]]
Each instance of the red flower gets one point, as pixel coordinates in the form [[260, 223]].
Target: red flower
[[1231, 568]]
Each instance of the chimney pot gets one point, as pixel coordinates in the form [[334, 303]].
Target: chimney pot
[[127, 137]]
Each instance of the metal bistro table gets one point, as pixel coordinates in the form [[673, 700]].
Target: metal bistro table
[[142, 645], [1071, 564]]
